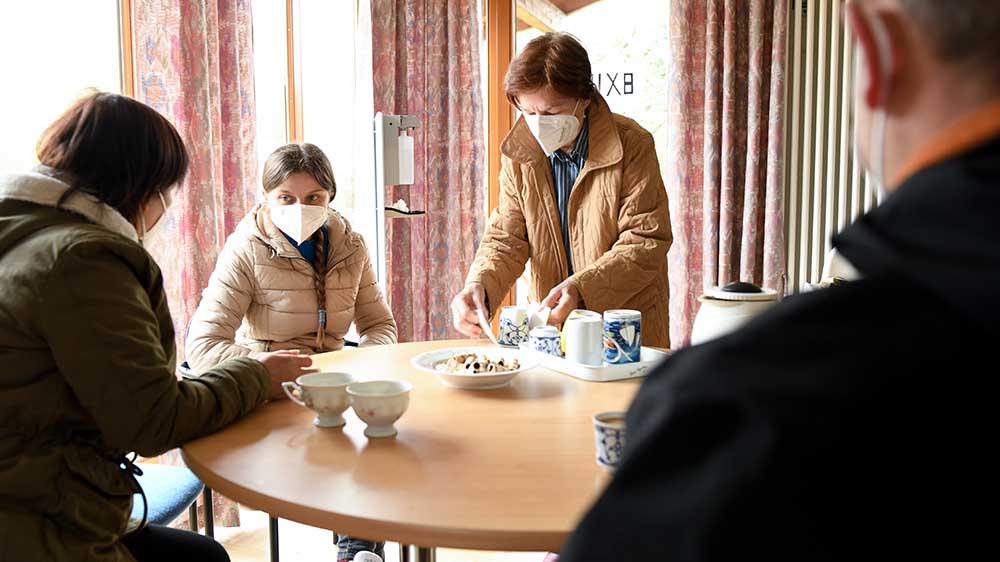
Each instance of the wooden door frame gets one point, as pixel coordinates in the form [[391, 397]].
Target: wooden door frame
[[296, 125], [500, 118], [126, 45]]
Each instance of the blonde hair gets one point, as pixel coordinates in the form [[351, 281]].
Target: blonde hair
[[308, 158]]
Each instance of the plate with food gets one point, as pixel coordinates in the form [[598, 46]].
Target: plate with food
[[475, 367]]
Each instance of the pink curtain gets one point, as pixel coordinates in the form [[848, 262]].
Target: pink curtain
[[725, 149], [425, 58], [194, 64]]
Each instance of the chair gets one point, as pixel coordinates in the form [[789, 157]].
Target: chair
[[169, 491]]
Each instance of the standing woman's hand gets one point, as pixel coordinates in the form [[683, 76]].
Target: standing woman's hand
[[464, 307], [562, 299], [282, 366]]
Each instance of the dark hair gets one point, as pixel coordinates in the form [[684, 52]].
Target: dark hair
[[291, 159], [115, 148], [966, 32], [554, 59]]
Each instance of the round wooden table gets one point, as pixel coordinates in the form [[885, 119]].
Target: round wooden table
[[510, 469]]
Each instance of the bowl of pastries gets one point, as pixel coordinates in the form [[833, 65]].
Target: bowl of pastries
[[476, 368]]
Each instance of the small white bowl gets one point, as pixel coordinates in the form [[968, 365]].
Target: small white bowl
[[379, 404], [428, 362]]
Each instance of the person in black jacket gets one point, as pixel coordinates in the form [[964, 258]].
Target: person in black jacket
[[852, 422]]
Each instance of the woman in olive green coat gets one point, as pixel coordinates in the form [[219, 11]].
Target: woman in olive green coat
[[87, 345]]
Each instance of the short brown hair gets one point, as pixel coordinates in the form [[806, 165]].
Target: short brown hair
[[298, 157], [966, 32], [115, 148], [554, 59]]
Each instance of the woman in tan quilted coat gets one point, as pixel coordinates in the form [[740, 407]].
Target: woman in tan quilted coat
[[580, 195], [293, 275]]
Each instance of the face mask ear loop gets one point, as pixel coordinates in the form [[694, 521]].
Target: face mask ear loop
[[142, 226], [877, 138]]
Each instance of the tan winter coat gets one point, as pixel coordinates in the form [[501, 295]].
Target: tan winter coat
[[261, 296], [619, 224]]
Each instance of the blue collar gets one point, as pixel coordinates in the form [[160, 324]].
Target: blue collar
[[580, 147]]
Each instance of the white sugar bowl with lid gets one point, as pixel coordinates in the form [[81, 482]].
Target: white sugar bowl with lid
[[724, 309]]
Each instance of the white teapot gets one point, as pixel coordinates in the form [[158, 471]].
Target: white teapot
[[724, 309]]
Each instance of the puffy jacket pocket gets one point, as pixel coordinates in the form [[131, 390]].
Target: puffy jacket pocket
[[96, 494]]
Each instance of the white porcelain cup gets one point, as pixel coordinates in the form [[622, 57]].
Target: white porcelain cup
[[609, 438], [323, 393], [513, 325], [583, 334], [379, 404]]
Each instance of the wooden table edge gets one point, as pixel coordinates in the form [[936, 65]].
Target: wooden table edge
[[472, 539]]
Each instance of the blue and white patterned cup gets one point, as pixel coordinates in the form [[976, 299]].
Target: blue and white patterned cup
[[545, 339], [513, 325], [609, 438], [622, 336]]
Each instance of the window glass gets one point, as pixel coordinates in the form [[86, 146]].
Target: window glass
[[47, 62], [270, 59]]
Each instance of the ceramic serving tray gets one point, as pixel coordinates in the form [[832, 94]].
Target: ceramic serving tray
[[648, 359]]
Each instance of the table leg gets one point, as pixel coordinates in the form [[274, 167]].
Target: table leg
[[193, 516], [206, 496], [409, 553], [273, 535]]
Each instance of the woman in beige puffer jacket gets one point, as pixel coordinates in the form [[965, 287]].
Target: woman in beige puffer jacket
[[266, 291]]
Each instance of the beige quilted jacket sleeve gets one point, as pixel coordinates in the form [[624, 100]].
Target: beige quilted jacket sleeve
[[372, 315], [640, 252], [503, 251], [211, 336]]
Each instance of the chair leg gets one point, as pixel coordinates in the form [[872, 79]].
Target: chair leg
[[193, 516], [273, 534], [209, 513]]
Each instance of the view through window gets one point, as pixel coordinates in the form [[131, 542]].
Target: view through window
[[47, 63]]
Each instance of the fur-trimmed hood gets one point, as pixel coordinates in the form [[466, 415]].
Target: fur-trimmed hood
[[42, 187]]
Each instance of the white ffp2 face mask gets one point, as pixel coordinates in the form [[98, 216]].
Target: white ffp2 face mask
[[553, 131], [146, 235], [298, 221]]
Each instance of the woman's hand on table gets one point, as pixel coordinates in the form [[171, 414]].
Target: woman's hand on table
[[464, 307], [282, 366], [562, 299]]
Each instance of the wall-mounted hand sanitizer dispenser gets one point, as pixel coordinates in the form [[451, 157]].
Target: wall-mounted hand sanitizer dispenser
[[393, 166], [394, 149]]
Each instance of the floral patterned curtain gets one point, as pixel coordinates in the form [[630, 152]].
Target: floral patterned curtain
[[194, 64], [726, 109], [425, 58]]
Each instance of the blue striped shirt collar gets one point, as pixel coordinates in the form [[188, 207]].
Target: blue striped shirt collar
[[579, 153]]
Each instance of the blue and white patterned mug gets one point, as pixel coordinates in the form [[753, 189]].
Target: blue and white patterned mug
[[513, 325], [622, 336], [545, 339], [609, 438]]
